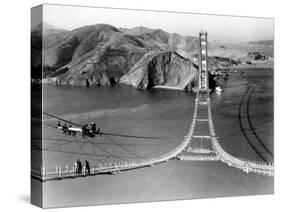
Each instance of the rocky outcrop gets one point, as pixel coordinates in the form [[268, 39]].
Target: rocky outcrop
[[161, 68]]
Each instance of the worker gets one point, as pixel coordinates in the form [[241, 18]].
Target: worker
[[87, 165], [69, 132], [93, 127], [75, 167], [64, 128], [79, 168], [85, 130]]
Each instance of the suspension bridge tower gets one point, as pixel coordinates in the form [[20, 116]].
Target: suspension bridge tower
[[200, 145], [203, 62]]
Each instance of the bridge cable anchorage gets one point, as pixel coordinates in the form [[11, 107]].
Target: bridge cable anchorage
[[220, 153]]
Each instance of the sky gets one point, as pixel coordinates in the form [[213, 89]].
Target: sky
[[223, 28]]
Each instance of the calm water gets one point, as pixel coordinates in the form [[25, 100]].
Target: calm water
[[165, 115]]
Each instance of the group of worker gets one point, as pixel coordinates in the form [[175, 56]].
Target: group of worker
[[90, 130], [78, 167], [66, 129]]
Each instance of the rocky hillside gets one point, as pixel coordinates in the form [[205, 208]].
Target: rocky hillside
[[103, 54], [91, 55], [161, 68]]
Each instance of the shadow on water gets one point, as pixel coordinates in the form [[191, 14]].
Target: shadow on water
[[242, 127]]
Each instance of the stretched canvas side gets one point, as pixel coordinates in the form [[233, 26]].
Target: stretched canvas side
[[36, 105]]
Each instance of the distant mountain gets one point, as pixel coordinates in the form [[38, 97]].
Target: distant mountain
[[103, 54], [263, 42], [246, 47], [136, 30], [47, 29]]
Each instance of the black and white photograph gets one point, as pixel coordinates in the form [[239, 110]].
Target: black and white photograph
[[132, 106]]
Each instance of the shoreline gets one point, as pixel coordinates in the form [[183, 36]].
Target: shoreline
[[53, 81], [167, 87]]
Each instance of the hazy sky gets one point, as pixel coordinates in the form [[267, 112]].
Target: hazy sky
[[227, 28]]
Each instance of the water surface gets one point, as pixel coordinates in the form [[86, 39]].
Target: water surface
[[165, 115]]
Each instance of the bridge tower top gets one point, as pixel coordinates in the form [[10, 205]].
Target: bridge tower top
[[203, 62]]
